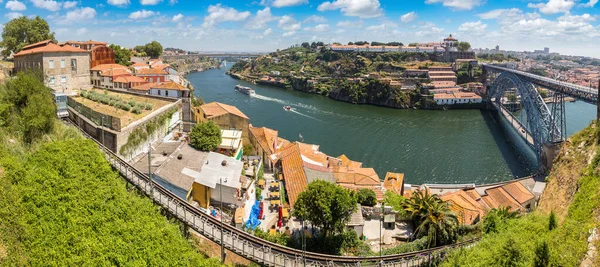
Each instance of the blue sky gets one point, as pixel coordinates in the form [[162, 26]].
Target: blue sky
[[566, 26]]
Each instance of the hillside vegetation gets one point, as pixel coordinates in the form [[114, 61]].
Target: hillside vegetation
[[61, 203], [573, 194]]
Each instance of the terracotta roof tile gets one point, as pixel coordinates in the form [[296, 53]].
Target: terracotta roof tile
[[130, 79], [467, 209], [151, 72], [48, 48], [102, 67], [266, 138], [501, 198], [293, 172], [170, 85], [518, 192], [394, 182], [143, 87], [215, 109]]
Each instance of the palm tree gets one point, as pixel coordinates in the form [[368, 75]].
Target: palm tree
[[433, 217]]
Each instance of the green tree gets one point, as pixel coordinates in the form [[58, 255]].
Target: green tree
[[542, 255], [552, 223], [205, 136], [463, 46], [509, 254], [326, 205], [153, 49], [23, 31], [497, 216], [366, 197], [28, 105], [122, 55], [305, 45], [432, 217]]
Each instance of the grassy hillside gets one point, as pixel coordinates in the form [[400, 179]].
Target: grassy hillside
[[572, 193]]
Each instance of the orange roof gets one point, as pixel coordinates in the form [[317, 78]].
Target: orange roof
[[129, 79], [151, 72], [265, 138], [170, 85], [86, 42], [215, 109], [394, 182], [293, 172], [501, 198], [139, 65], [161, 66], [42, 43], [467, 209], [48, 47], [115, 72], [518, 192], [143, 87], [102, 67]]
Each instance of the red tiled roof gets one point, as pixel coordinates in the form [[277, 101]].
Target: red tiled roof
[[214, 109], [518, 192], [129, 79], [49, 47], [294, 176], [501, 198], [102, 67], [170, 85], [394, 182], [265, 138], [42, 43], [151, 72], [143, 87]]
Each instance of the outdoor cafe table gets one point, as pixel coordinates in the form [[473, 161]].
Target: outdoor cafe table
[[275, 202], [274, 194]]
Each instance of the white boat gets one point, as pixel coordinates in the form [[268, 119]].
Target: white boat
[[287, 108], [244, 90]]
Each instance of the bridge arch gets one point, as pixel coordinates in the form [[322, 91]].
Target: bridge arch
[[540, 122]]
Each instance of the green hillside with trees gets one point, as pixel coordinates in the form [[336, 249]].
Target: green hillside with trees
[[62, 204]]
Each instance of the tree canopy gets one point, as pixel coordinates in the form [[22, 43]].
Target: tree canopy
[[122, 55], [326, 205], [27, 106], [153, 49], [23, 31], [432, 217], [205, 136], [367, 197], [463, 46]]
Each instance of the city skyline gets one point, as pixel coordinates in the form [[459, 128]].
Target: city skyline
[[266, 25]]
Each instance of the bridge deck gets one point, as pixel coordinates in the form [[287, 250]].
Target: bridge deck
[[516, 124]]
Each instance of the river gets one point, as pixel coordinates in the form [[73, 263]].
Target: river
[[428, 146]]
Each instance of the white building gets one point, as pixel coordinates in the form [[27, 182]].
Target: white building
[[169, 89], [219, 173]]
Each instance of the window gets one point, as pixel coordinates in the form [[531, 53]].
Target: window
[[51, 64], [51, 81], [74, 64], [166, 92], [63, 64], [152, 80], [158, 92], [63, 79]]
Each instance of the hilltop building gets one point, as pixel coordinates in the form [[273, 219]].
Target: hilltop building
[[105, 75], [225, 116], [266, 142], [66, 68], [100, 53]]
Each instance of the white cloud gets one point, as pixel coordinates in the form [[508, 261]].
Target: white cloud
[[177, 17], [553, 6], [473, 27], [429, 29], [119, 3], [289, 24], [15, 6], [82, 31], [218, 13], [47, 4], [350, 24], [284, 3], [260, 20], [150, 2], [13, 15], [173, 2], [141, 14], [81, 14], [456, 4], [379, 27], [591, 3], [318, 28], [409, 17], [69, 4], [315, 19], [354, 8], [497, 13], [267, 32], [290, 33]]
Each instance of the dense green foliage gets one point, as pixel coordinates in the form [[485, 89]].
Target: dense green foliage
[[326, 205], [27, 106], [552, 223], [496, 217], [432, 217], [366, 197], [463, 46], [66, 206], [153, 49], [23, 31], [205, 136], [496, 57], [122, 55]]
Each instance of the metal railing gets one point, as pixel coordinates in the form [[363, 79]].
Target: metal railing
[[249, 246]]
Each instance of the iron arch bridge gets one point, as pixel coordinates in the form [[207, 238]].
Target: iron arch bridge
[[542, 125]]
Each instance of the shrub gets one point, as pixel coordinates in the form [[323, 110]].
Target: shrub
[[105, 92], [205, 136], [367, 197], [552, 224], [111, 103], [148, 106], [136, 110], [132, 103]]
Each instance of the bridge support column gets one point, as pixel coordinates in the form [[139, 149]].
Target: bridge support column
[[549, 152]]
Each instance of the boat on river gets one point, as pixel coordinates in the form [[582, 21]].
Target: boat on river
[[244, 90], [287, 108]]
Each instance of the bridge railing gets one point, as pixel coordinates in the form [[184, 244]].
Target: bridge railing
[[249, 246], [546, 79]]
